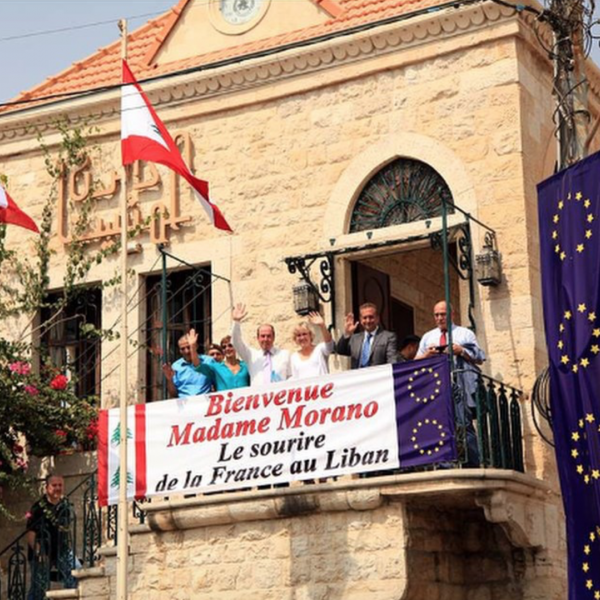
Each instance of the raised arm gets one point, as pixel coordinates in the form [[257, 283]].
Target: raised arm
[[317, 320], [237, 314], [169, 374]]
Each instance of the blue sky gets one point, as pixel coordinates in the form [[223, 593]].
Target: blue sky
[[29, 59]]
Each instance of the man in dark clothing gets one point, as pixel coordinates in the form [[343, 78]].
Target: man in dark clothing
[[49, 539]]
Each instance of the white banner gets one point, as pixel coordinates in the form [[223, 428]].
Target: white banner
[[293, 430]]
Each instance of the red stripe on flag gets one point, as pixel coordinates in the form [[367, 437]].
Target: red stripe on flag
[[140, 451], [103, 458], [13, 215], [136, 147]]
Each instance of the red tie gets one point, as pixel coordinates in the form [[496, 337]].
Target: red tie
[[443, 340]]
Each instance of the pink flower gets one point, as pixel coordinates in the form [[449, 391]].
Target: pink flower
[[31, 390], [20, 368], [60, 382], [61, 433], [28, 515]]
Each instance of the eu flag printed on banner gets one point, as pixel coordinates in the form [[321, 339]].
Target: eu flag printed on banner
[[569, 220], [424, 412]]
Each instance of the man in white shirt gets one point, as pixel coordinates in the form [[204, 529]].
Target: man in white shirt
[[468, 356], [265, 364]]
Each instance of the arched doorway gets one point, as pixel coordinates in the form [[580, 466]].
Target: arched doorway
[[404, 282]]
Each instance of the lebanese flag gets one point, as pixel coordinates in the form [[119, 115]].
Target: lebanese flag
[[11, 213], [144, 137]]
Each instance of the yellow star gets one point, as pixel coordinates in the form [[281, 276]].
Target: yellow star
[[554, 234], [587, 203], [595, 473], [586, 549], [561, 327], [586, 478], [568, 314], [595, 349], [562, 256], [560, 205], [560, 345], [580, 469], [581, 308], [589, 417], [596, 332], [580, 248], [588, 584], [585, 567], [555, 218], [592, 316], [575, 368], [592, 537], [574, 453], [584, 362], [590, 218], [580, 423], [578, 196], [557, 248], [588, 233], [596, 595], [564, 359], [575, 436]]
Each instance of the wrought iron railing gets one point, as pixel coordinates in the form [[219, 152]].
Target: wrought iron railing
[[499, 428], [83, 527]]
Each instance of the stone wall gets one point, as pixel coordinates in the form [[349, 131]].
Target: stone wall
[[439, 536]]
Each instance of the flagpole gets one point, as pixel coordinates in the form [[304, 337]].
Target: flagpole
[[123, 513]]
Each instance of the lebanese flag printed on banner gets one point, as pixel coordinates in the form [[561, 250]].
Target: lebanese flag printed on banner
[[11, 213], [144, 137]]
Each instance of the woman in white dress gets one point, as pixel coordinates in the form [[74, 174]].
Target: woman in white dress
[[311, 360]]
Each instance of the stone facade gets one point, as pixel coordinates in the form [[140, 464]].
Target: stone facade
[[478, 535], [287, 142]]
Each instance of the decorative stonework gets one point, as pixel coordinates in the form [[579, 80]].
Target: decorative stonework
[[249, 71]]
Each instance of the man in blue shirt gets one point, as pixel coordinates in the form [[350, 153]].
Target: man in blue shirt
[[182, 378]]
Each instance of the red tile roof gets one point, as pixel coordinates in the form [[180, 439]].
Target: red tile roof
[[104, 67]]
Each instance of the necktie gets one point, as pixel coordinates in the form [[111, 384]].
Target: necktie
[[267, 368], [443, 340], [366, 351]]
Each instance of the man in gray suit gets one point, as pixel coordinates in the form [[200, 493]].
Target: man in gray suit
[[373, 346]]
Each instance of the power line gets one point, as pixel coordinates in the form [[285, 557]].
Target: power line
[[57, 98], [32, 34]]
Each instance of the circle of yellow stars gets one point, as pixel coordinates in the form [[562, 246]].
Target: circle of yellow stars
[[570, 362], [436, 388], [580, 244], [580, 454], [439, 429], [587, 565]]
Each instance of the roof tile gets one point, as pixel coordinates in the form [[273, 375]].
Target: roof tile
[[103, 68]]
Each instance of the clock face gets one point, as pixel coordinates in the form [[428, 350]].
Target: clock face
[[239, 12]]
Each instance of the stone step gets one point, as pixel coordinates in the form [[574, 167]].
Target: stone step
[[63, 594]]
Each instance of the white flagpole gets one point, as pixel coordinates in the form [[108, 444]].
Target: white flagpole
[[123, 530]]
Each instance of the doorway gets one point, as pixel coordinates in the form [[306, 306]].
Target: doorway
[[404, 285]]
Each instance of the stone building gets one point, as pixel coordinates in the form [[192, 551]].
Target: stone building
[[331, 132]]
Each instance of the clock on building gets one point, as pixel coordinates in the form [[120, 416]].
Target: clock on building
[[237, 16], [239, 12]]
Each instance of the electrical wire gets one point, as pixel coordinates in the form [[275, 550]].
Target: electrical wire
[[52, 99]]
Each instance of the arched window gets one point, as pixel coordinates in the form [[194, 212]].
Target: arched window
[[405, 190]]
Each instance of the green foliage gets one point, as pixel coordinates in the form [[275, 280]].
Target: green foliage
[[40, 413]]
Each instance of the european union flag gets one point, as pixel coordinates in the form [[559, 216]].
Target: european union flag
[[424, 412], [569, 217]]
